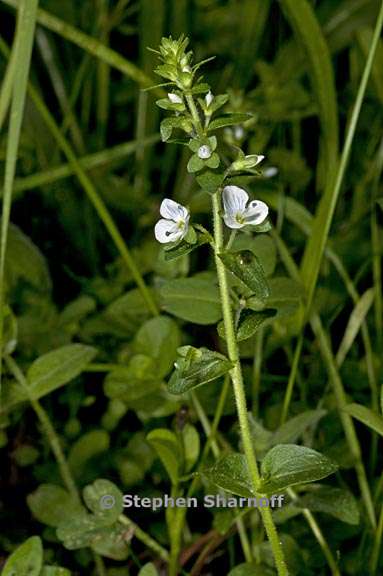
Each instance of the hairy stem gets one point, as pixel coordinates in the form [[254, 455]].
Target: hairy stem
[[238, 385]]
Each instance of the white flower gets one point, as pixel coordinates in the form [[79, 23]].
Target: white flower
[[174, 223], [238, 212], [174, 98], [204, 152], [209, 98]]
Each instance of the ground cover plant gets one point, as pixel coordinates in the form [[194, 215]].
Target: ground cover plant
[[190, 287]]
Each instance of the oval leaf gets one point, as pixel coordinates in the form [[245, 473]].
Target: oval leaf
[[288, 464], [193, 299], [228, 120], [58, 367], [337, 502], [166, 445], [247, 267], [104, 499], [197, 366], [231, 474], [26, 560], [52, 505]]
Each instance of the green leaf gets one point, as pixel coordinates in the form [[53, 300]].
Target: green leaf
[[53, 505], [288, 464], [104, 499], [191, 446], [355, 321], [213, 162], [25, 262], [194, 299], [58, 367], [291, 430], [246, 266], [210, 181], [228, 120], [336, 502], [85, 531], [197, 366], [366, 416], [159, 339], [166, 445], [195, 164], [169, 124], [250, 322], [133, 382], [26, 560], [128, 311], [183, 248], [262, 245], [231, 474], [148, 570], [89, 446]]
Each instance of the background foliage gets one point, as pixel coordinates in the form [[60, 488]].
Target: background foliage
[[83, 274]]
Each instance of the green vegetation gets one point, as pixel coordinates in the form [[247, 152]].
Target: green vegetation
[[191, 286]]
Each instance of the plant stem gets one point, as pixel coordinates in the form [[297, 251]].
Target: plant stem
[[377, 544], [238, 385], [318, 535], [48, 429], [195, 115], [144, 537]]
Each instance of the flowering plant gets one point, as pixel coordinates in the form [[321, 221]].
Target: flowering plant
[[218, 172]]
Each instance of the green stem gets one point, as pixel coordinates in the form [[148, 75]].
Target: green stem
[[144, 537], [377, 544], [205, 423], [195, 115], [48, 429], [318, 535], [348, 426], [292, 378], [175, 521], [238, 385]]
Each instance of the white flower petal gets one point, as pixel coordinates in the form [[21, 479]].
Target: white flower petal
[[209, 98], [204, 152], [231, 222], [173, 211], [234, 200], [256, 212], [259, 159], [167, 231]]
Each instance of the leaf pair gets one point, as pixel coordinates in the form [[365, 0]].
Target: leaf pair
[[283, 466]]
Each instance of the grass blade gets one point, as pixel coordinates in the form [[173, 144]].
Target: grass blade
[[308, 31], [315, 247], [23, 47], [89, 44]]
